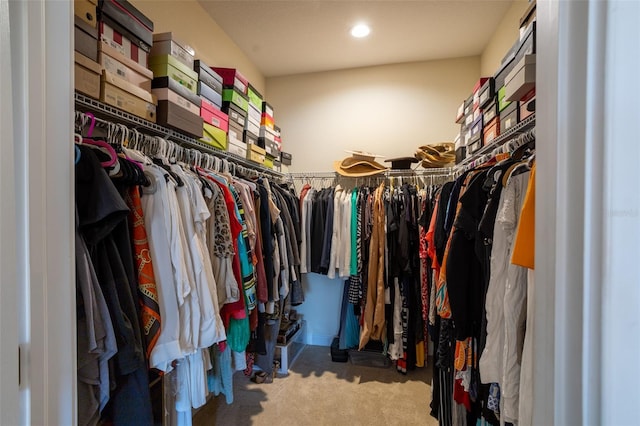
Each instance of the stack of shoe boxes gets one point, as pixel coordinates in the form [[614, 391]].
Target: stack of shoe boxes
[[176, 84], [87, 69], [235, 103], [254, 112], [268, 134], [126, 36], [500, 102], [216, 122]]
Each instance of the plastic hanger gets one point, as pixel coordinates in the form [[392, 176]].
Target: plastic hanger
[[160, 160], [102, 145]]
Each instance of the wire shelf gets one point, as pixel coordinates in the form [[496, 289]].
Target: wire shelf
[[523, 126], [107, 112]]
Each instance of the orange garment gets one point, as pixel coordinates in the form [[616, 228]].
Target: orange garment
[[524, 247], [147, 291], [374, 310]]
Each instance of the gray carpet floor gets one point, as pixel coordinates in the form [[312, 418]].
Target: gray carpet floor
[[318, 391]]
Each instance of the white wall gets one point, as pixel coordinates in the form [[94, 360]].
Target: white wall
[[389, 110], [505, 35], [188, 20], [321, 309]]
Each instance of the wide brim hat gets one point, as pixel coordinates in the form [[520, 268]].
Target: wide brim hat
[[401, 163], [360, 164], [437, 155]]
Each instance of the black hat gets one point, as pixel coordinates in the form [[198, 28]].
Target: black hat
[[401, 163]]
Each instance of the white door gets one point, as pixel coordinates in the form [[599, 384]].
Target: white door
[[8, 270], [37, 292]]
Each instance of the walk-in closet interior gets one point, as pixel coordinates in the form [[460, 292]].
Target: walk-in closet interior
[[315, 212]]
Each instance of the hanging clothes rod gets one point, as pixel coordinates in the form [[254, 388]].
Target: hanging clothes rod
[[108, 117], [447, 171]]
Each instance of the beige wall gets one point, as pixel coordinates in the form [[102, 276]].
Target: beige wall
[[191, 23], [389, 110], [503, 38]]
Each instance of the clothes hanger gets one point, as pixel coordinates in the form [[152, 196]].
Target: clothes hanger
[[160, 160], [99, 144]]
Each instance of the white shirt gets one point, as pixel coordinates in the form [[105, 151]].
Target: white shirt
[[157, 223], [500, 360], [344, 258], [336, 235]]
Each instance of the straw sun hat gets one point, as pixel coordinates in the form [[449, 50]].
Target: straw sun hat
[[437, 155], [360, 164]]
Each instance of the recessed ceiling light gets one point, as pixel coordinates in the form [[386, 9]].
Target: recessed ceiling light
[[360, 30]]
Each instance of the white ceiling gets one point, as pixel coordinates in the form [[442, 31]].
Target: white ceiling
[[301, 36]]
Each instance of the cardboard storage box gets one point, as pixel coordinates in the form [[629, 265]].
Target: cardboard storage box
[[214, 136], [508, 62], [267, 121], [490, 112], [468, 121], [476, 92], [267, 133], [235, 132], [255, 98], [285, 158], [86, 10], [477, 127], [235, 97], [122, 44], [267, 109], [238, 148], [85, 39], [270, 147], [502, 101], [174, 86], [252, 127], [460, 113], [487, 92], [491, 131], [256, 154], [254, 114], [168, 66], [468, 105], [527, 44], [231, 78], [250, 138], [208, 76], [207, 92], [521, 79], [215, 117], [268, 161], [278, 132], [166, 94], [167, 44], [176, 117], [122, 16], [474, 144], [236, 115], [461, 154], [118, 64], [128, 97], [509, 117], [87, 76], [528, 104]]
